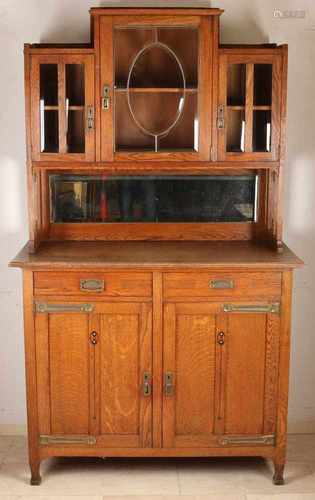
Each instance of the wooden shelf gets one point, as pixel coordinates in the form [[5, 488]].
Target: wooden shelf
[[262, 108], [155, 90], [255, 108], [70, 108], [236, 108]]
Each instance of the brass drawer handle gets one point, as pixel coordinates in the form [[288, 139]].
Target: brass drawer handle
[[221, 284], [254, 308], [92, 285]]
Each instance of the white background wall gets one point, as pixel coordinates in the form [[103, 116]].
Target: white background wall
[[245, 21]]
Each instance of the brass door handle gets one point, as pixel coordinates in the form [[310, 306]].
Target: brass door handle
[[169, 384], [147, 386]]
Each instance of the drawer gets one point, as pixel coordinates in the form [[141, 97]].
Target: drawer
[[93, 283], [222, 284]]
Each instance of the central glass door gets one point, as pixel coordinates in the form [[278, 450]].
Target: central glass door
[[156, 88]]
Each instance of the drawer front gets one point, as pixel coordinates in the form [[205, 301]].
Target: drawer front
[[93, 283], [222, 284]]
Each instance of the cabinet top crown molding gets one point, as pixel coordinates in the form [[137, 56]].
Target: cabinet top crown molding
[[141, 10]]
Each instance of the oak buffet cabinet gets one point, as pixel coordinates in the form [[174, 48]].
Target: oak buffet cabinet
[[157, 288]]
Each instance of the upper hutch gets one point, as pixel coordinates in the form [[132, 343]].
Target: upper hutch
[[155, 123], [156, 131]]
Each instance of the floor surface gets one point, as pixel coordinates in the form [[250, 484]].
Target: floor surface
[[159, 479]]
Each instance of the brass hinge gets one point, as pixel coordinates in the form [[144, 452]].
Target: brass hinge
[[46, 440], [106, 98], [43, 307], [221, 116], [90, 117], [247, 440], [253, 308]]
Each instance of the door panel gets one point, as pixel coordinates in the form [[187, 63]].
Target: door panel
[[62, 115], [144, 67], [252, 351], [125, 357], [63, 381], [190, 358], [248, 115]]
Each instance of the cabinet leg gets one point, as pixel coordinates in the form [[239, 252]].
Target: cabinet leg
[[278, 475], [35, 477]]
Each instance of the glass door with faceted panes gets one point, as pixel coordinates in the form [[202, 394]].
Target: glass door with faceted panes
[[249, 107], [157, 99], [63, 107]]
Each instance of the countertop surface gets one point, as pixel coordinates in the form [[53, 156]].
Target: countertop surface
[[154, 254]]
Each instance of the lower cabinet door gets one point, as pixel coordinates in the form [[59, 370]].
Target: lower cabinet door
[[189, 369], [250, 358], [123, 367], [63, 373], [94, 374], [220, 375]]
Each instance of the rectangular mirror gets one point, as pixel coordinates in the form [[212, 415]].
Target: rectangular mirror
[[216, 198]]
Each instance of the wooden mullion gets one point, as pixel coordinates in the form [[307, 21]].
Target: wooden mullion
[[215, 87], [62, 107], [220, 374], [89, 89], [249, 108], [169, 364], [222, 91], [94, 353], [106, 78], [145, 353], [205, 88], [157, 372], [35, 122]]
